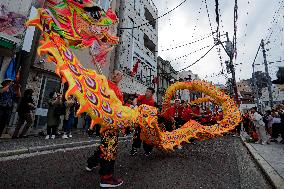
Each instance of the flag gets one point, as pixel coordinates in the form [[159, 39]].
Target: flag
[[155, 80], [135, 68], [11, 70]]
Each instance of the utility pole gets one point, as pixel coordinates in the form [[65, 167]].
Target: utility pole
[[267, 74], [229, 49], [255, 86]]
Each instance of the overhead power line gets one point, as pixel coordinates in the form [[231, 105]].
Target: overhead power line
[[274, 19], [200, 57], [155, 18], [189, 53], [189, 43], [256, 55], [235, 28], [217, 16], [208, 15], [211, 28]]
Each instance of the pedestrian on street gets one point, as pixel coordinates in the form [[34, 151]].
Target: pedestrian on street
[[281, 113], [9, 94], [146, 99], [259, 126], [269, 119], [69, 117], [276, 126], [106, 153], [26, 113], [55, 110], [87, 122], [76, 118]]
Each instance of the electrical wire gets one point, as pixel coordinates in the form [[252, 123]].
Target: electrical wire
[[211, 28], [256, 55], [189, 53], [179, 46], [208, 15], [273, 20], [146, 23], [197, 19], [199, 58], [235, 29]]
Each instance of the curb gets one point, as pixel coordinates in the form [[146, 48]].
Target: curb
[[275, 179], [51, 147]]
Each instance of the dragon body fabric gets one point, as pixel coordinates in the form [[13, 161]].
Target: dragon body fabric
[[67, 25]]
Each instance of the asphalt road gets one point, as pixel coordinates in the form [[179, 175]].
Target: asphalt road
[[217, 164]]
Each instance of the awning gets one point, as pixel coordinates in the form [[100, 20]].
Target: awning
[[6, 43]]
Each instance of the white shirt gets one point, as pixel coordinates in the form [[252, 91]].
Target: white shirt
[[258, 122]]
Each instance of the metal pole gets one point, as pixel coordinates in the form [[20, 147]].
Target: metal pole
[[232, 69], [255, 86], [267, 74], [254, 78], [118, 49]]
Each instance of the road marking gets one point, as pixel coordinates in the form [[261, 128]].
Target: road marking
[[28, 155]]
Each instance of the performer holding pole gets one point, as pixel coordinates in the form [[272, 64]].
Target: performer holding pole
[[148, 100], [106, 153]]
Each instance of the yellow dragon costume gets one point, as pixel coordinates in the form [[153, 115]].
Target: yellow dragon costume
[[67, 25]]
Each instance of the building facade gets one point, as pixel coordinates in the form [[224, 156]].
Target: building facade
[[166, 76], [244, 86], [36, 74], [12, 30], [188, 95], [277, 96], [138, 42]]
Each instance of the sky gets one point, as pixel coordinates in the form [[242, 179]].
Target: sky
[[190, 22]]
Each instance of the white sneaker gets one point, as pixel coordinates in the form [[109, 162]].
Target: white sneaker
[[70, 136], [65, 136], [53, 136], [47, 137]]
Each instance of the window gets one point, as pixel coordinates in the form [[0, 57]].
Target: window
[[150, 18], [148, 43]]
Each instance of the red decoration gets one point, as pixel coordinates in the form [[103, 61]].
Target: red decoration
[[155, 80], [135, 68], [111, 15]]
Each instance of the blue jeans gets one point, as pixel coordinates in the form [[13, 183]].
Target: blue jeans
[[87, 122], [5, 115], [67, 124]]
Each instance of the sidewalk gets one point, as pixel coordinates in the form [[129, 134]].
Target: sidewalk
[[270, 159], [10, 147]]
